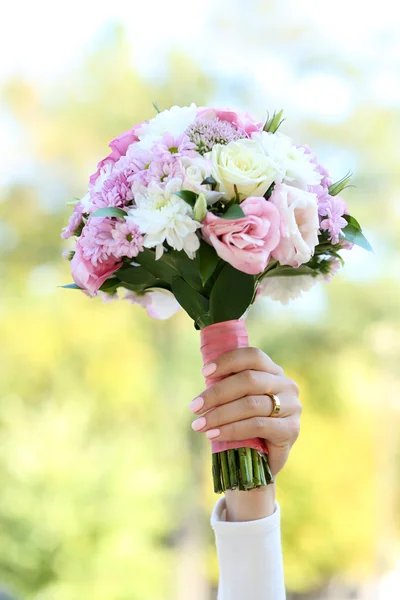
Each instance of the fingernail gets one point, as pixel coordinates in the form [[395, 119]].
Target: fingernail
[[196, 404], [209, 369], [198, 424], [213, 433]]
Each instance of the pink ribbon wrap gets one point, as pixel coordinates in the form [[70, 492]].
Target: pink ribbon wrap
[[216, 340]]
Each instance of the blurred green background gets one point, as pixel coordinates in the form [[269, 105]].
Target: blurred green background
[[105, 491]]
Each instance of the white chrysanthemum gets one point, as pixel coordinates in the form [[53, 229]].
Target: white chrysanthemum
[[295, 166], [283, 289], [174, 121], [196, 171], [164, 217]]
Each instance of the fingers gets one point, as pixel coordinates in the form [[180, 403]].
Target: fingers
[[281, 433], [239, 385], [242, 359], [242, 409]]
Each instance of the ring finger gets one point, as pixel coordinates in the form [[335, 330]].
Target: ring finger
[[246, 383], [239, 410]]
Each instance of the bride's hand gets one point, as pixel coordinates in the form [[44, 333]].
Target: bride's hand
[[238, 407]]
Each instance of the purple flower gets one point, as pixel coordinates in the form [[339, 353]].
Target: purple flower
[[334, 266], [332, 209], [326, 180], [205, 134], [128, 241]]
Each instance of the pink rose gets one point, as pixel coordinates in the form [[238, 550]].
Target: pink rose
[[119, 147], [299, 224], [90, 277], [241, 120], [245, 243]]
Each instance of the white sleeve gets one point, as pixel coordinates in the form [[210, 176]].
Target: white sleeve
[[249, 556]]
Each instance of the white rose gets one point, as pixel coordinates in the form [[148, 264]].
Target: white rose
[[295, 166], [175, 121], [285, 288], [245, 165], [196, 171], [299, 224]]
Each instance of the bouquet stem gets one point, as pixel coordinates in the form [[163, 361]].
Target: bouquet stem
[[240, 468], [246, 467]]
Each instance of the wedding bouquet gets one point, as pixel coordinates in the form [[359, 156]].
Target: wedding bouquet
[[205, 209]]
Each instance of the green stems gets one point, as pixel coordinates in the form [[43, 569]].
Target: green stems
[[240, 468]]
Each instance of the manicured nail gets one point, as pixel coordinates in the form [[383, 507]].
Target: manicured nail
[[213, 433], [198, 424], [209, 369], [196, 404]]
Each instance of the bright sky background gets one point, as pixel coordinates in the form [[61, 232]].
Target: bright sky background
[[41, 40], [51, 37]]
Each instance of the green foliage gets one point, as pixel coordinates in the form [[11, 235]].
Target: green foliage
[[208, 261], [234, 212], [188, 196], [354, 234], [340, 185], [135, 278], [196, 305], [272, 124], [231, 294], [110, 211]]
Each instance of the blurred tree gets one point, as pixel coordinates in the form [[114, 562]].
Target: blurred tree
[[105, 488]]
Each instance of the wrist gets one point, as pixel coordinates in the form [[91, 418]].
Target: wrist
[[250, 505]]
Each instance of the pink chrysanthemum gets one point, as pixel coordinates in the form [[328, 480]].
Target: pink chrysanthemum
[[96, 240], [128, 241], [74, 224], [334, 266], [161, 171], [176, 146], [205, 134], [116, 191]]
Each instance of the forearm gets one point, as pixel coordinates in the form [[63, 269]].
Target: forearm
[[251, 505]]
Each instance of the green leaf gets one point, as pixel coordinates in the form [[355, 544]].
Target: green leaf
[[109, 211], [187, 196], [138, 278], [287, 271], [191, 301], [208, 261], [164, 268], [352, 221], [231, 294], [187, 268], [156, 107], [70, 286], [234, 212], [355, 235], [110, 285], [210, 181]]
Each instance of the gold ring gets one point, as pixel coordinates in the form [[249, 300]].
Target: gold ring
[[277, 405]]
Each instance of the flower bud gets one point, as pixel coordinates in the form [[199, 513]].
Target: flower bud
[[200, 208]]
